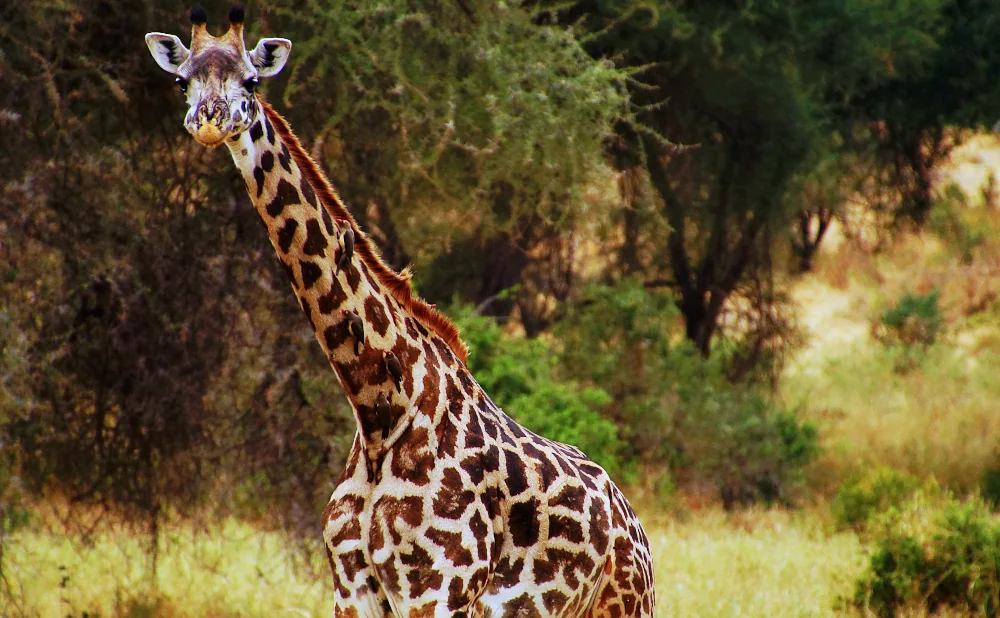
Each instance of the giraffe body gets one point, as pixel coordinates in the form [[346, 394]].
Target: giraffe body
[[504, 522], [446, 507]]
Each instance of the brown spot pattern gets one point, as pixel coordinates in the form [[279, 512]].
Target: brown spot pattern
[[285, 195], [452, 544], [286, 234], [412, 459], [316, 241], [375, 315]]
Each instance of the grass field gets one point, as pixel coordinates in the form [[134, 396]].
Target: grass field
[[756, 563]]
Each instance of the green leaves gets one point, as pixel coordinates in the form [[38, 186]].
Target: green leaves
[[462, 100], [934, 554]]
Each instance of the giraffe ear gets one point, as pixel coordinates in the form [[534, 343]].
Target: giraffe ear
[[270, 56], [167, 50]]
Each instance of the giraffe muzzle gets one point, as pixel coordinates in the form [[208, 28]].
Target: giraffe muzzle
[[208, 129], [209, 134]]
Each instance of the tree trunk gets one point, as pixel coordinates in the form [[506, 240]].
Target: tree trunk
[[807, 245], [628, 186]]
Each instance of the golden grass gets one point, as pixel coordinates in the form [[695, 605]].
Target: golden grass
[[939, 419], [230, 570], [757, 563]]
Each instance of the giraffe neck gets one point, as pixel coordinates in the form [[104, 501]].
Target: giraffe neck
[[301, 212]]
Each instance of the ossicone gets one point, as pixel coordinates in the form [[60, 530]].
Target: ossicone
[[198, 16], [236, 14]]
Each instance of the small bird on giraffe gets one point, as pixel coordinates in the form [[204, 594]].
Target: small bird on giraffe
[[347, 242], [395, 370], [356, 326]]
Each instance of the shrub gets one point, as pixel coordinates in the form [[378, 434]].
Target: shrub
[[930, 559], [914, 321], [674, 406], [866, 495], [567, 413], [737, 440], [619, 338]]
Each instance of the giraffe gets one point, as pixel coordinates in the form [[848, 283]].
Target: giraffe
[[446, 507]]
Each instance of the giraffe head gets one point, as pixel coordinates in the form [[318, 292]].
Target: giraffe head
[[218, 75]]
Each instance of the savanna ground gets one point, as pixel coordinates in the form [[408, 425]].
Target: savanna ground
[[938, 419]]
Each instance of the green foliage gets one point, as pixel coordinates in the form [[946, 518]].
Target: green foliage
[[466, 97], [737, 439], [871, 493], [934, 558], [519, 375], [150, 353], [761, 93], [618, 337], [676, 407], [567, 413], [915, 320], [951, 53]]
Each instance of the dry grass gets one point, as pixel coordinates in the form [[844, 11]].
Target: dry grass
[[230, 570], [938, 419], [757, 563], [712, 565]]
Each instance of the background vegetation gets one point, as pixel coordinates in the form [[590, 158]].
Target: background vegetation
[[743, 254]]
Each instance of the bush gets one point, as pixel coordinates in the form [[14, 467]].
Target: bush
[[519, 375], [737, 440], [675, 407], [860, 498], [619, 338], [914, 321], [928, 559]]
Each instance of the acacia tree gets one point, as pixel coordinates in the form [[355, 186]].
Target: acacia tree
[[918, 115], [739, 101], [133, 281], [468, 130]]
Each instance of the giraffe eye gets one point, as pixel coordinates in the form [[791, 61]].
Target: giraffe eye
[[251, 84], [182, 84]]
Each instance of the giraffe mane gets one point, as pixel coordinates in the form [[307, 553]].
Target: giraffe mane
[[398, 284]]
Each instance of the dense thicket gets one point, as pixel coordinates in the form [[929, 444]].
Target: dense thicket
[[616, 175]]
